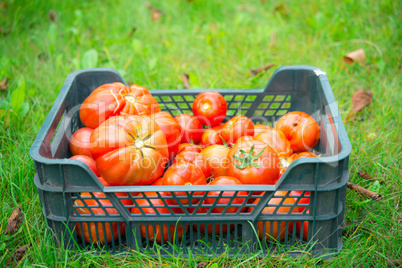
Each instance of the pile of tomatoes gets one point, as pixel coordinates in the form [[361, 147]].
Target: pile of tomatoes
[[129, 141]]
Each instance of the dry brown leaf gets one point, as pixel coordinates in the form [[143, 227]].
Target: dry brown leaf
[[202, 264], [14, 222], [365, 175], [185, 79], [364, 191], [3, 84], [52, 16], [361, 99], [394, 263], [155, 13], [261, 69], [17, 256], [358, 56]]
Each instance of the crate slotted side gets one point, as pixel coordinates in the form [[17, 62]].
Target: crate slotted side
[[60, 180]]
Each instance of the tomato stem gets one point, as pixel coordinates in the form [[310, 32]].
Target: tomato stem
[[247, 159]]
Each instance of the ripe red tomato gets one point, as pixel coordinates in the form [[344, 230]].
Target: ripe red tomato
[[258, 128], [294, 157], [88, 161], [171, 129], [194, 158], [217, 156], [104, 234], [156, 234], [210, 108], [277, 141], [236, 128], [302, 131], [79, 142], [191, 128], [304, 200], [276, 228], [189, 147], [305, 228], [158, 182], [212, 136], [129, 150], [253, 162], [114, 99], [184, 174]]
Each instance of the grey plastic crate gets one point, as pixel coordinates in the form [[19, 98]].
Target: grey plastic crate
[[291, 88]]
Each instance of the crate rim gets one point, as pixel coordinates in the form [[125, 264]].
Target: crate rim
[[322, 78]]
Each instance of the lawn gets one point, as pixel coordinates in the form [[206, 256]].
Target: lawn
[[216, 43]]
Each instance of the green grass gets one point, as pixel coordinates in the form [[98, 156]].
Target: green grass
[[217, 43]]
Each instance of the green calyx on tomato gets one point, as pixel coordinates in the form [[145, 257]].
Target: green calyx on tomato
[[247, 158]]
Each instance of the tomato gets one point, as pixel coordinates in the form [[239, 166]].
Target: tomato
[[276, 229], [171, 130], [277, 141], [115, 99], [258, 128], [191, 128], [236, 128], [79, 142], [211, 136], [158, 182], [304, 200], [305, 228], [210, 108], [129, 150], [184, 174], [302, 131], [217, 156], [156, 234], [194, 158], [294, 157], [104, 234], [189, 147], [88, 161], [253, 162]]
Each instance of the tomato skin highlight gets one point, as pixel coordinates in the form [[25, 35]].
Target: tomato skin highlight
[[88, 161], [277, 141], [268, 168], [195, 158], [157, 233], [80, 142], [236, 128], [191, 128], [116, 99], [189, 147], [258, 128], [129, 150], [217, 156], [171, 130], [212, 136], [302, 131], [210, 108]]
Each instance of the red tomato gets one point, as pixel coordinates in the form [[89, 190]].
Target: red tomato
[[258, 128], [191, 128], [114, 99], [276, 229], [88, 161], [294, 157], [156, 234], [302, 131], [212, 136], [184, 174], [158, 182], [104, 234], [189, 147], [305, 200], [79, 142], [253, 162], [210, 108], [236, 128], [129, 150], [171, 129], [305, 228], [217, 156], [277, 140], [194, 158]]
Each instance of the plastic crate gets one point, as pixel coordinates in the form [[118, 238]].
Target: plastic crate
[[292, 88]]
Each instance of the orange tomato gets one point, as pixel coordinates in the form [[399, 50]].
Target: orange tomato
[[217, 156]]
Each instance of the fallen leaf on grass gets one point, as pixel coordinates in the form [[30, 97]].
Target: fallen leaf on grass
[[14, 222], [155, 13], [202, 264], [17, 255], [360, 99], [52, 16], [358, 56], [364, 191], [185, 80], [3, 84], [367, 176], [261, 69], [394, 263]]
